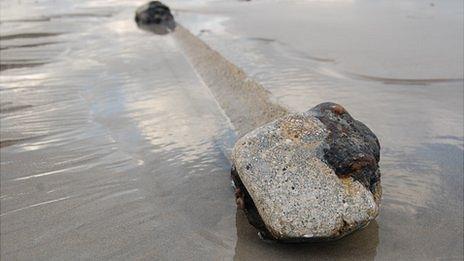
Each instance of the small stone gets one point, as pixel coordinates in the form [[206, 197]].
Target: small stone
[[155, 17], [322, 185]]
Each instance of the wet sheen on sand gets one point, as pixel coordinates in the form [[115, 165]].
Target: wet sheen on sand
[[112, 147]]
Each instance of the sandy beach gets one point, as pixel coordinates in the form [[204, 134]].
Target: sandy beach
[[115, 145]]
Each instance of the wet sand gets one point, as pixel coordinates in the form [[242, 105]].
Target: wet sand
[[112, 149], [115, 148]]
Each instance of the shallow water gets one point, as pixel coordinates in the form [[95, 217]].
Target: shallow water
[[112, 147]]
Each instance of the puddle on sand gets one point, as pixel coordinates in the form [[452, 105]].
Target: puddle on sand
[[418, 115], [111, 148]]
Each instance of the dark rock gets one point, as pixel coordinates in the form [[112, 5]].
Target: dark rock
[[155, 17], [353, 149]]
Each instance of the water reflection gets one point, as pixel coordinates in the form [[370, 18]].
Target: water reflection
[[112, 149], [157, 28], [357, 246]]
